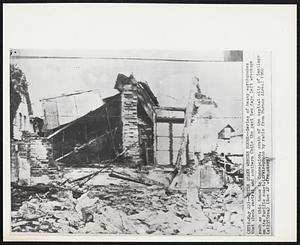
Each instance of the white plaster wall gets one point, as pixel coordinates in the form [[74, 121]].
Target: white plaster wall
[[23, 124]]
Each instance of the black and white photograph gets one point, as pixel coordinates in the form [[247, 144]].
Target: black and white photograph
[[149, 122], [126, 145]]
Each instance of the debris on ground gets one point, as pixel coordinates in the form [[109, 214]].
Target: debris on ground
[[108, 205]]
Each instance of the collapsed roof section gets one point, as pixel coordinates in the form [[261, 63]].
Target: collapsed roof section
[[87, 117], [144, 92], [123, 81]]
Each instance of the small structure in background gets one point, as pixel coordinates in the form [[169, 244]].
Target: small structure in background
[[230, 141], [226, 132]]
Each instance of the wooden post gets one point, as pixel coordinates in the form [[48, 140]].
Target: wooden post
[[187, 121], [155, 139], [171, 142]]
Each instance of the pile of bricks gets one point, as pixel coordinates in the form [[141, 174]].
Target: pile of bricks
[[14, 161], [39, 155], [37, 151]]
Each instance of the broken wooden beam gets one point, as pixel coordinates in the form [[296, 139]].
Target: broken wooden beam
[[187, 121], [88, 177], [44, 188], [171, 108], [36, 188], [84, 145], [124, 176], [170, 119]]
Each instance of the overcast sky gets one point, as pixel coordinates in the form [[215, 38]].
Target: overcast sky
[[170, 81]]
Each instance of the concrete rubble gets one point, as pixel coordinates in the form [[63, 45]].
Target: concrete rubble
[[198, 193], [118, 206]]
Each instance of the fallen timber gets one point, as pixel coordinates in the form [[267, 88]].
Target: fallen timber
[[88, 177], [141, 179], [129, 178], [187, 123], [42, 188], [84, 145]]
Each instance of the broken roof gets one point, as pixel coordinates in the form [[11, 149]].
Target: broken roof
[[61, 128], [121, 80], [124, 80], [146, 87]]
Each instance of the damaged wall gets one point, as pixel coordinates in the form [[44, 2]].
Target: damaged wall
[[137, 113], [129, 101], [31, 157], [202, 133]]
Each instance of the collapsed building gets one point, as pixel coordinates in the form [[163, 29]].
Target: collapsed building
[[28, 148], [124, 121], [131, 119], [130, 124], [162, 157]]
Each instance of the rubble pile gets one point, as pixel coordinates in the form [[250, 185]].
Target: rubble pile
[[131, 208], [224, 208]]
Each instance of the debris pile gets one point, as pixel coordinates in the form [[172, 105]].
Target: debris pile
[[127, 207]]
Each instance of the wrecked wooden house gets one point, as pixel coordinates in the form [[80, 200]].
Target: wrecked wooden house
[[133, 121], [124, 121], [131, 128]]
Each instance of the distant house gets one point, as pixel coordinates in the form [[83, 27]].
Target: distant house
[[230, 141], [124, 121], [226, 132]]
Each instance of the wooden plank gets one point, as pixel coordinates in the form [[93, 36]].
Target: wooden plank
[[168, 136], [171, 142], [170, 119], [84, 145], [61, 129], [109, 162], [187, 121], [171, 108], [134, 177], [128, 178], [155, 138]]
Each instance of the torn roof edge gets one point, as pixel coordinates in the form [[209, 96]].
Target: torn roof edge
[[65, 126]]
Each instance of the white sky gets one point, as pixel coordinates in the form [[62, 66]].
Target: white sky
[[170, 81]]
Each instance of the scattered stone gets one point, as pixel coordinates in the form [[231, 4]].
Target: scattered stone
[[130, 208], [20, 223]]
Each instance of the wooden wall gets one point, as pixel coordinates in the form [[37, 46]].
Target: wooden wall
[[102, 125]]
